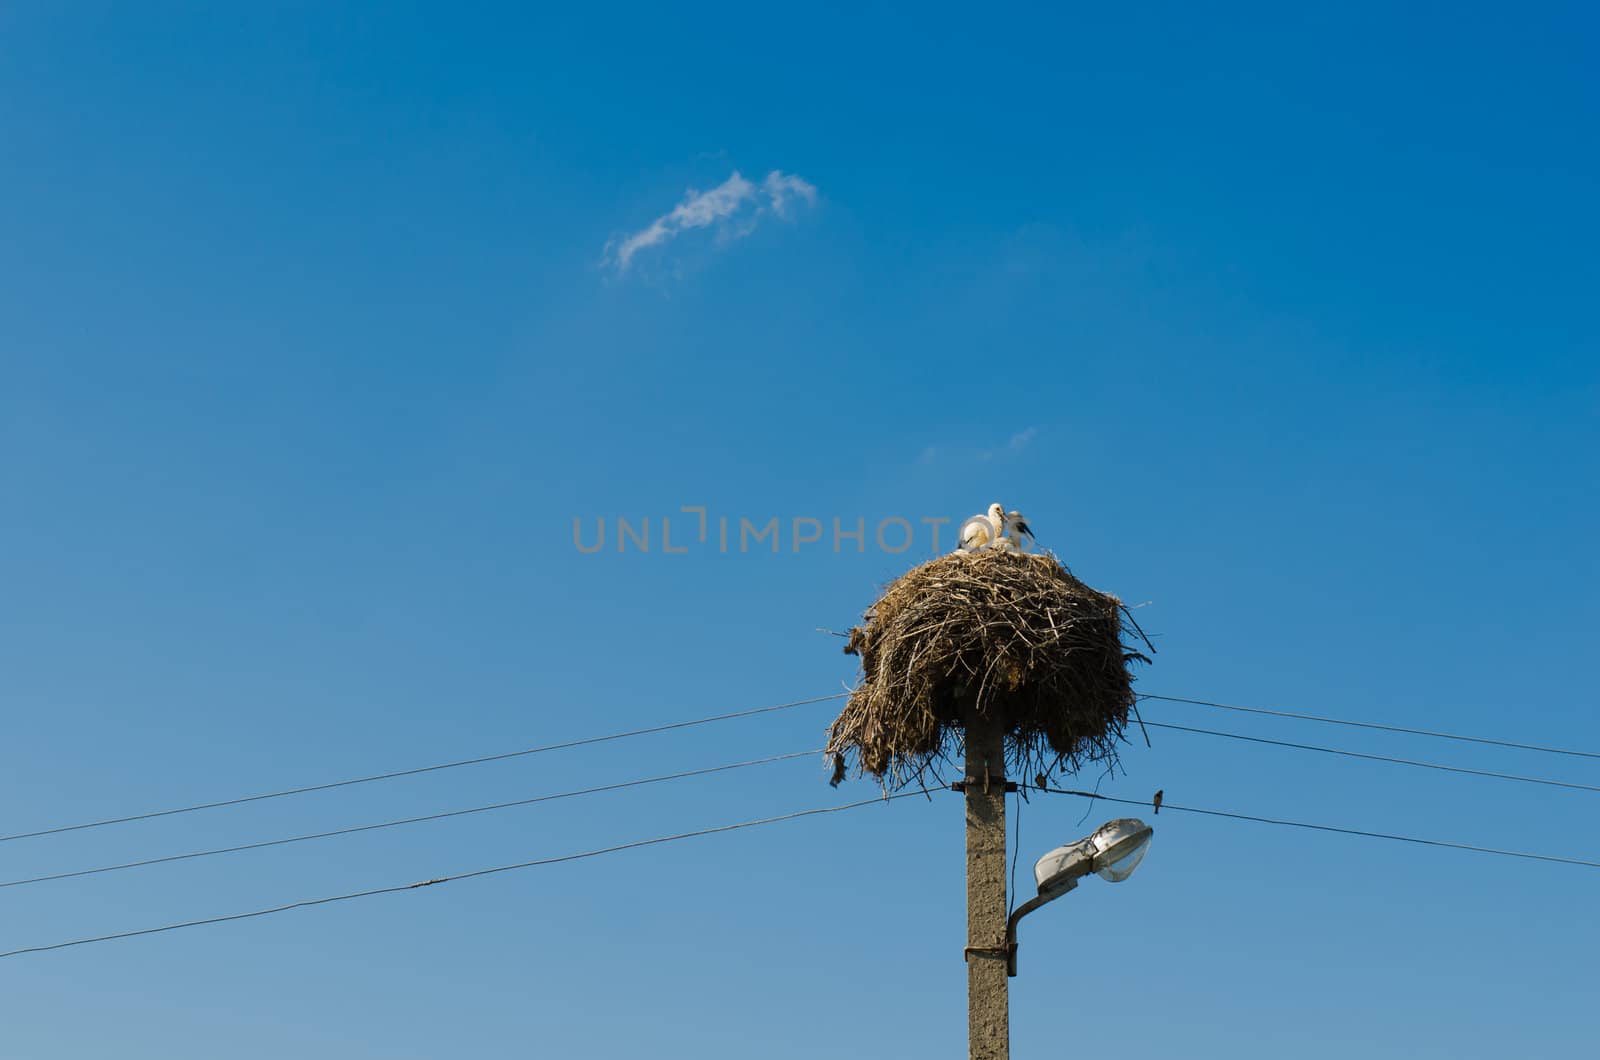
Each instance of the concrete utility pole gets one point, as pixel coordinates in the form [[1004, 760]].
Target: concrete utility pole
[[988, 1004]]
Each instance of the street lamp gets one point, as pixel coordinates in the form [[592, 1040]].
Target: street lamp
[[1112, 852]]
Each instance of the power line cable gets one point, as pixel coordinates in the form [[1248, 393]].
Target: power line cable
[[1372, 725], [458, 876], [1328, 828], [306, 789], [419, 769], [1376, 758], [404, 821]]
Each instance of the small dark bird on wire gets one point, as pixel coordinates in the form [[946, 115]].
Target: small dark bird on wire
[[1156, 801]]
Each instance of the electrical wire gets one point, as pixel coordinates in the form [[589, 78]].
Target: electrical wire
[[404, 821], [1377, 758], [419, 769], [1016, 850], [1328, 828], [1372, 725], [306, 789], [307, 903]]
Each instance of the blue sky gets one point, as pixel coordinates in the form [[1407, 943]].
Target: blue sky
[[315, 334]]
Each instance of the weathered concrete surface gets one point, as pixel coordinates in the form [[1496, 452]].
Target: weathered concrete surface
[[988, 1006]]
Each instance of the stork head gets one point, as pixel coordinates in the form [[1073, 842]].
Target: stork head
[[997, 510]]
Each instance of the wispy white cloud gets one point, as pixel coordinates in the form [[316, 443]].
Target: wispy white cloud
[[780, 188], [733, 208], [962, 454], [1020, 440]]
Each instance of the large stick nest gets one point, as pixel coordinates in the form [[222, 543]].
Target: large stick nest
[[1013, 637]]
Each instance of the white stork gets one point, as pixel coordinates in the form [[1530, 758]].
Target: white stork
[[981, 531], [1015, 524]]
